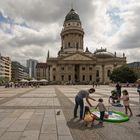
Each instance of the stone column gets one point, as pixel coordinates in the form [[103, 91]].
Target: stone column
[[48, 73]]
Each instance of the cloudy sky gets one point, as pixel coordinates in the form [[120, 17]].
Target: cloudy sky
[[28, 29]]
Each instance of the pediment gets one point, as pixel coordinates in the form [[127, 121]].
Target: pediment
[[77, 57]]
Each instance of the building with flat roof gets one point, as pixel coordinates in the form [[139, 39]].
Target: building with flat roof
[[19, 72], [5, 68], [31, 65]]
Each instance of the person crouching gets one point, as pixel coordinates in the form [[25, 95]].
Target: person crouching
[[88, 117]]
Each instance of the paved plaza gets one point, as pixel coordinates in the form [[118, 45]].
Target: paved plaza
[[46, 113]]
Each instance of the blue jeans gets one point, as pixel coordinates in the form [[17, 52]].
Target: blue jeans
[[78, 102]]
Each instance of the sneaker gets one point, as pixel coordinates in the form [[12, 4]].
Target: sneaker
[[86, 124], [100, 123], [81, 120]]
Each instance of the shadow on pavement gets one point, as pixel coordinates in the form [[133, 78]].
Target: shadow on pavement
[[78, 124]]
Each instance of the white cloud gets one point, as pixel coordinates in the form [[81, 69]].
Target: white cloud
[[33, 27]]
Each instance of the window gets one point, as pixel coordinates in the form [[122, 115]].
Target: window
[[54, 69], [69, 77], [90, 77], [62, 77], [75, 77], [97, 73], [83, 77], [77, 45], [90, 68], [83, 68], [54, 78], [108, 73], [62, 68], [68, 44]]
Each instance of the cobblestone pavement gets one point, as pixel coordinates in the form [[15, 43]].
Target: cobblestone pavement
[[46, 113]]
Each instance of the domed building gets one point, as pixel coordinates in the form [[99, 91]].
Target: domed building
[[73, 64]]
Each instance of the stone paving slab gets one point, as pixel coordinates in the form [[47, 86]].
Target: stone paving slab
[[11, 136], [2, 130], [46, 113], [18, 125], [3, 95], [65, 138], [30, 135], [35, 122], [26, 115], [6, 122], [47, 136]]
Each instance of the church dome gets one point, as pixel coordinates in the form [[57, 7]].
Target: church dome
[[102, 53], [72, 15]]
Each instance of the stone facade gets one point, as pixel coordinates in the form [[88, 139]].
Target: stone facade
[[5, 68], [41, 71], [19, 72], [73, 64]]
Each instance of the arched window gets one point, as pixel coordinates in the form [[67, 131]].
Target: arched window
[[97, 73], [77, 45], [54, 78], [69, 77], [68, 44], [83, 77], [90, 77], [108, 73]]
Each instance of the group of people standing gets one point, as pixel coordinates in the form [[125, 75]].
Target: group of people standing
[[79, 101], [85, 110]]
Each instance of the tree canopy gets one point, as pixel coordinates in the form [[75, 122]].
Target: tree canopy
[[123, 74]]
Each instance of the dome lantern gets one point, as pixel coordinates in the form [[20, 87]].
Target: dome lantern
[[72, 15]]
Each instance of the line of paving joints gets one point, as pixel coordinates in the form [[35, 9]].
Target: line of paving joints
[[30, 107], [15, 96]]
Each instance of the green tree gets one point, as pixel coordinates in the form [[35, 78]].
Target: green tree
[[123, 74]]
